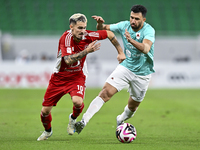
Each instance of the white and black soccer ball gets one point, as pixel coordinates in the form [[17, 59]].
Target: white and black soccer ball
[[126, 133]]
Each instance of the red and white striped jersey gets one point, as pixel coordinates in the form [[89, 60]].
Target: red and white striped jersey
[[67, 46]]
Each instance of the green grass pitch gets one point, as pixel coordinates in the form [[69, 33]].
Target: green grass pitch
[[167, 119]]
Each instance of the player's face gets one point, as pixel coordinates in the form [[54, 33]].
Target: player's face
[[136, 21], [78, 30]]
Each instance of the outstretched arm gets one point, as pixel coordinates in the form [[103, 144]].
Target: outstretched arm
[[100, 25], [121, 56], [92, 47]]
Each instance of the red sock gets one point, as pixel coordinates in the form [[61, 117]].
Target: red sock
[[46, 121], [77, 110]]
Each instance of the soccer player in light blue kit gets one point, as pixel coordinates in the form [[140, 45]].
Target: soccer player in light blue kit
[[135, 71]]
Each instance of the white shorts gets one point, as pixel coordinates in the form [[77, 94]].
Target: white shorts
[[122, 77]]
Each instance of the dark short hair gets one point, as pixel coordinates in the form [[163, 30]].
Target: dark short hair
[[138, 9]]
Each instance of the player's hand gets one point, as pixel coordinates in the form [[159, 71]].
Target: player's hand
[[121, 57], [92, 47], [99, 19], [128, 36]]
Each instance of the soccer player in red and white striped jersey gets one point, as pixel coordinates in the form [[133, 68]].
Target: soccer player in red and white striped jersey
[[69, 74]]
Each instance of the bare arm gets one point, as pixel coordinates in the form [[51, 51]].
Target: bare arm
[[114, 41], [143, 47], [100, 25], [121, 56], [70, 59]]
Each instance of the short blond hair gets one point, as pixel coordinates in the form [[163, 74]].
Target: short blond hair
[[77, 17]]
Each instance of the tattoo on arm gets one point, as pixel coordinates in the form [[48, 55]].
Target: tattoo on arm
[[70, 59], [115, 42], [113, 38]]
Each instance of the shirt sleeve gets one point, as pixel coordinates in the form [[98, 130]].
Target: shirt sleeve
[[150, 34], [65, 45], [117, 27], [102, 34], [97, 35]]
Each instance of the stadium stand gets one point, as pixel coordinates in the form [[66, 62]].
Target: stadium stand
[[51, 16]]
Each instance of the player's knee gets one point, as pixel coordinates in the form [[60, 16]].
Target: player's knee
[[77, 101], [133, 108], [133, 105], [105, 94], [45, 111]]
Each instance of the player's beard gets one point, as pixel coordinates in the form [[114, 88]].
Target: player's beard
[[78, 38], [137, 27], [81, 36]]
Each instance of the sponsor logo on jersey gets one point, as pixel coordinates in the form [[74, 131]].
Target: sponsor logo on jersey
[[128, 53], [130, 46], [94, 34], [76, 64]]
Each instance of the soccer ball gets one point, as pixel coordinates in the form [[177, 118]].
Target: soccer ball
[[126, 133]]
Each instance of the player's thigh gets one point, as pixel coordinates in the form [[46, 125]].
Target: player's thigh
[[118, 78], [138, 87], [77, 90], [52, 95]]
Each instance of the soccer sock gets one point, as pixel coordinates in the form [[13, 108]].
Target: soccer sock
[[94, 107], [126, 114], [77, 111], [46, 121]]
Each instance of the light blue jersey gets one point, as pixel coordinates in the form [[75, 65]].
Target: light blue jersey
[[136, 61]]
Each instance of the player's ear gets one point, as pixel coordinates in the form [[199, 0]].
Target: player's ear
[[71, 26], [144, 19]]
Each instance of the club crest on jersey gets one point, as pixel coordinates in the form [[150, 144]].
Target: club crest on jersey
[[69, 50], [138, 36]]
